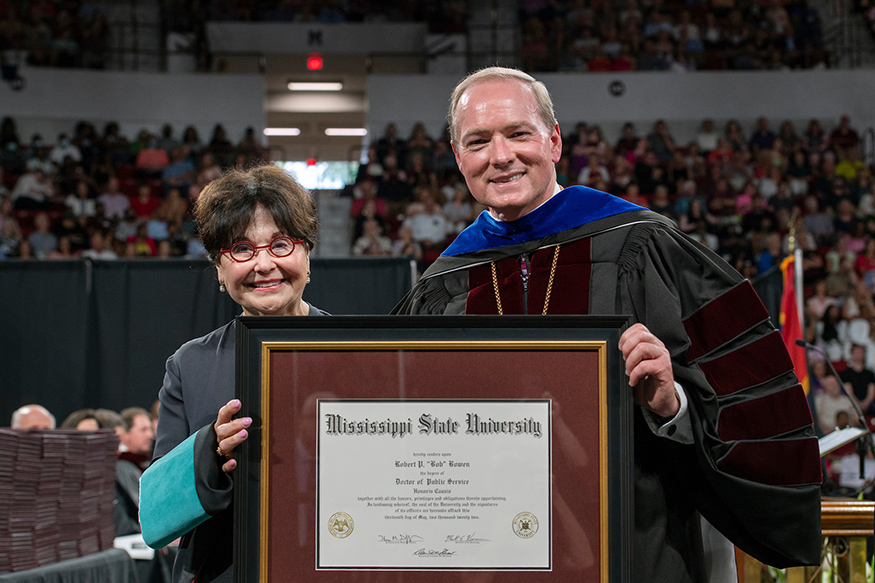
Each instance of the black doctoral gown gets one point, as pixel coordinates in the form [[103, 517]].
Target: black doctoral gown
[[753, 470]]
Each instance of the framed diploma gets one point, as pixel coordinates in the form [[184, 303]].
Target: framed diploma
[[427, 449]]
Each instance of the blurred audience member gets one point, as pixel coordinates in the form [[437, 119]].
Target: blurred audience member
[[81, 202], [99, 248], [141, 244], [42, 240], [829, 403], [859, 380], [151, 160], [135, 451], [32, 417], [180, 172], [114, 201], [144, 204], [372, 241], [34, 189], [82, 419], [209, 170], [844, 137]]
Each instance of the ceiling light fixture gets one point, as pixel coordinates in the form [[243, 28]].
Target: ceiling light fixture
[[314, 86], [346, 132], [282, 131]]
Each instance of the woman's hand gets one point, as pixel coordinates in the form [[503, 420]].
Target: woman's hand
[[230, 433]]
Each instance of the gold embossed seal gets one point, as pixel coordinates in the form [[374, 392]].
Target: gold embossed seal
[[340, 525], [525, 525]]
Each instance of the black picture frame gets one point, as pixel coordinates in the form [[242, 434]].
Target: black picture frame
[[263, 339]]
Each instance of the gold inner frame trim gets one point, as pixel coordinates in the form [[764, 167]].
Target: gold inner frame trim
[[437, 346]]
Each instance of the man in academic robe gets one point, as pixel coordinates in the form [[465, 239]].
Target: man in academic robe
[[724, 446]]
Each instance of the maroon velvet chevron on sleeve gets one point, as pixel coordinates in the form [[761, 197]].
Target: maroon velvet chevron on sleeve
[[748, 366], [778, 462], [784, 413], [756, 418], [723, 319]]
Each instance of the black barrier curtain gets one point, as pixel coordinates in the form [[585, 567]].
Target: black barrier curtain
[[360, 286], [142, 312], [96, 334], [44, 332]]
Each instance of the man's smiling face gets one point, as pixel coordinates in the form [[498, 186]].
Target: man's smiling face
[[504, 150]]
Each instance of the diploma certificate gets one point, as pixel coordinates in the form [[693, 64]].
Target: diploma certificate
[[434, 484]]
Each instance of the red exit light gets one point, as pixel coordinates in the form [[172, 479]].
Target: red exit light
[[314, 62]]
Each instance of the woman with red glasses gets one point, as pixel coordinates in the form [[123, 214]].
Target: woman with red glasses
[[258, 227]]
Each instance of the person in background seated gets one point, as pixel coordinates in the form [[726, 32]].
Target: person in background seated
[[32, 417], [144, 204], [429, 227], [82, 419], [829, 403], [109, 419], [859, 380], [42, 240], [141, 244], [180, 173], [115, 202], [98, 249], [151, 160], [135, 450], [34, 189], [372, 241], [64, 149]]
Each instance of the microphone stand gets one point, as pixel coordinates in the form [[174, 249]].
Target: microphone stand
[[867, 439]]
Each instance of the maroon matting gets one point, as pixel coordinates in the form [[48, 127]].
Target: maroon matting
[[297, 378]]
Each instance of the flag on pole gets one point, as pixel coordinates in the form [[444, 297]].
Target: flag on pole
[[791, 322]]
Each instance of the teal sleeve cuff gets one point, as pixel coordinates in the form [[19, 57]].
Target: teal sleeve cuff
[[169, 501]]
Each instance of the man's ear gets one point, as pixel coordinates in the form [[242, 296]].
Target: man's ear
[[556, 144]]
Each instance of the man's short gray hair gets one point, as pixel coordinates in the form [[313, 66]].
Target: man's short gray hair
[[542, 96]]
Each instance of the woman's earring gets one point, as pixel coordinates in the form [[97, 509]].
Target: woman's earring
[[222, 287], [308, 276]]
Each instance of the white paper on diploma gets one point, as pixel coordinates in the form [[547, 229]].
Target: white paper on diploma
[[434, 484]]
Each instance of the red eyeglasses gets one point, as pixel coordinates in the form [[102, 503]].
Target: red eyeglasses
[[243, 251]]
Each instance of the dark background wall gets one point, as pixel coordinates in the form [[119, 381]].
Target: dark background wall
[[77, 334]]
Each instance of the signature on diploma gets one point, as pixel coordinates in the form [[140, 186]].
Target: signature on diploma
[[465, 539], [433, 553], [400, 539]]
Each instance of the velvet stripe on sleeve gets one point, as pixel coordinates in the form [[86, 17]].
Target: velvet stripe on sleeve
[[182, 490]]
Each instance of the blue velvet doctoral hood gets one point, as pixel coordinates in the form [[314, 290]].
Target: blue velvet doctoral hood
[[569, 208]]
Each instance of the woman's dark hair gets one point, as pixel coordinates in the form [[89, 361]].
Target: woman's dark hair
[[76, 417], [227, 206]]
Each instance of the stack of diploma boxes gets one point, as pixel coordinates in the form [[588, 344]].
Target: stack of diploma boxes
[[57, 495]]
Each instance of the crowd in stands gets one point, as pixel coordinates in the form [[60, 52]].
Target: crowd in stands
[[442, 16], [736, 194], [660, 35], [102, 196], [866, 9], [68, 33], [557, 35]]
